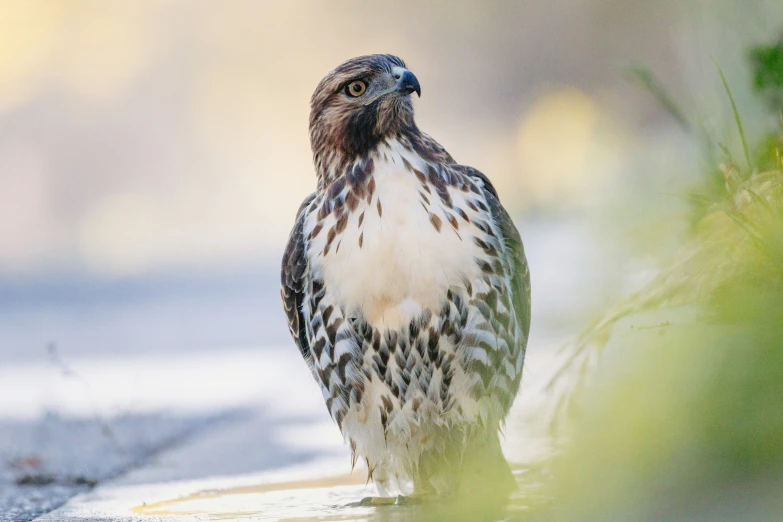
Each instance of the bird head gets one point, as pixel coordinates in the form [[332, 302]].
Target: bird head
[[360, 103]]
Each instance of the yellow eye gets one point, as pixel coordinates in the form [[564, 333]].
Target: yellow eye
[[356, 88]]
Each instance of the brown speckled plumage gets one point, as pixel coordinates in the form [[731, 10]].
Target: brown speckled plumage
[[413, 317]]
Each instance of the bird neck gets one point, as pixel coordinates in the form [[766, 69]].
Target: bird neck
[[332, 163]]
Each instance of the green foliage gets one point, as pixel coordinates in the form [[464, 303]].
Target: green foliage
[[767, 65], [686, 421], [766, 62], [688, 425]]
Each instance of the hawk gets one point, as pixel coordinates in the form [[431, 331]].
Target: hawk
[[406, 289]]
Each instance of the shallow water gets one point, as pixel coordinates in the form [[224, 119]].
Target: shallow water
[[335, 498], [104, 374], [289, 435]]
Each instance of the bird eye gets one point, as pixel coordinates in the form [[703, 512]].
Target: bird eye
[[355, 88]]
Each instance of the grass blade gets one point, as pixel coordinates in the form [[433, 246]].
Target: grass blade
[[646, 79], [737, 118]]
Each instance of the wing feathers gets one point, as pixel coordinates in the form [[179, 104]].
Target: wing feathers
[[293, 275], [521, 276]]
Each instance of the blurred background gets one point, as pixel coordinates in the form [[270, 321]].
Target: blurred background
[[153, 156]]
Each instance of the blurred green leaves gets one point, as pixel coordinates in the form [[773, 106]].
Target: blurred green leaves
[[686, 420], [683, 420], [767, 67]]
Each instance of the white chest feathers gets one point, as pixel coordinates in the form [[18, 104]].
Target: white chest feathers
[[399, 250]]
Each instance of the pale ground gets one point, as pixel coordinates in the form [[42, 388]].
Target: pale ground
[[153, 429], [236, 443]]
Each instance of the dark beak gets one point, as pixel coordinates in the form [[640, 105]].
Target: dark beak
[[408, 84]]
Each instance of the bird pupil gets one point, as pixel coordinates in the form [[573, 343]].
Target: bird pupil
[[356, 88]]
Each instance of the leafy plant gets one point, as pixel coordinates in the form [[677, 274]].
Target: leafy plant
[[687, 424], [766, 62]]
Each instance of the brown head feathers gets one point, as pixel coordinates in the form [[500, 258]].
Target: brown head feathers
[[358, 105]]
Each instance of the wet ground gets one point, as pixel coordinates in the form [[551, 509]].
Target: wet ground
[[129, 401], [294, 494], [235, 457], [47, 462]]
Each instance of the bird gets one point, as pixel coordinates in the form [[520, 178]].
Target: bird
[[406, 289]]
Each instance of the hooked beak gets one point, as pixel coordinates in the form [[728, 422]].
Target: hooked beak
[[408, 83]]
